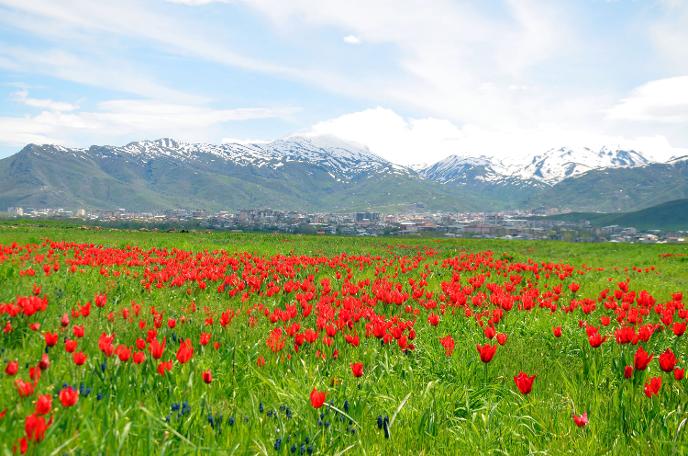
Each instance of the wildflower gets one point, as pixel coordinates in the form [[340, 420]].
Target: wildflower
[[642, 359], [50, 339], [652, 387], [157, 348], [448, 344], [357, 369], [139, 357], [79, 358], [24, 389], [486, 352], [317, 398], [44, 363], [524, 382], [185, 351], [628, 371], [164, 366], [44, 404], [581, 420], [556, 331], [35, 427], [68, 396], [679, 374], [595, 340], [667, 360], [207, 376], [12, 368]]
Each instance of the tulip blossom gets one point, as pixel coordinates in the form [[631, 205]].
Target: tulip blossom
[[581, 420], [524, 382], [317, 398], [641, 359], [68, 396], [486, 352], [667, 360], [652, 387]]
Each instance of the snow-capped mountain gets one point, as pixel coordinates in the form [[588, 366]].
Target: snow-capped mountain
[[461, 170], [342, 160], [555, 165], [325, 173], [548, 168]]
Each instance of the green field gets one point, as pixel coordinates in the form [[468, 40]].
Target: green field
[[273, 317]]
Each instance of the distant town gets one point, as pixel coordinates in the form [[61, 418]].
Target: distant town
[[527, 225]]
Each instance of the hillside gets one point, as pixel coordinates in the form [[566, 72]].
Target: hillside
[[672, 215]]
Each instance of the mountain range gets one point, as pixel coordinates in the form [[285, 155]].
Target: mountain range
[[328, 174]]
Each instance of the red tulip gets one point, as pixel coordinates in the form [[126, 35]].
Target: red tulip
[[581, 420], [139, 357], [68, 396], [79, 358], [44, 404], [556, 331], [679, 328], [35, 374], [679, 374], [486, 352], [652, 387], [24, 389], [524, 382], [207, 376], [448, 344], [50, 339], [667, 360], [317, 398], [185, 351], [12, 368], [35, 427], [157, 348], [501, 338], [628, 372], [78, 331], [44, 363], [164, 366], [641, 359], [70, 345], [433, 319], [357, 369], [596, 340], [123, 352]]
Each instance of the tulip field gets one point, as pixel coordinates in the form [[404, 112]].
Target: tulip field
[[127, 342]]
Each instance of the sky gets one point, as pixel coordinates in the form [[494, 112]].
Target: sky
[[413, 80]]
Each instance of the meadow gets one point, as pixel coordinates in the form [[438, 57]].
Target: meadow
[[127, 342]]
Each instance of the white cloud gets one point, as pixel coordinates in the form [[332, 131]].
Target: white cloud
[[108, 73], [22, 97], [352, 39], [196, 2], [663, 100], [427, 140], [130, 119], [669, 34]]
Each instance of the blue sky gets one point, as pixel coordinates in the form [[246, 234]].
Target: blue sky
[[414, 80]]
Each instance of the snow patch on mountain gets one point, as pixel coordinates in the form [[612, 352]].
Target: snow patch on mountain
[[556, 165], [341, 160], [548, 168]]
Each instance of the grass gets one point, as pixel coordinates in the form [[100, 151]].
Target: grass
[[435, 404]]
